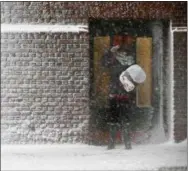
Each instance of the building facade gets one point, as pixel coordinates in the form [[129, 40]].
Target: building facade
[[48, 68]]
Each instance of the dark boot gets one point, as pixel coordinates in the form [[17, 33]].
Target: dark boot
[[126, 136], [112, 136]]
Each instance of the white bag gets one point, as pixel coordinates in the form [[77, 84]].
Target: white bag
[[136, 73], [128, 85]]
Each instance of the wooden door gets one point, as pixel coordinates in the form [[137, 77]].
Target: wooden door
[[101, 82], [144, 59]]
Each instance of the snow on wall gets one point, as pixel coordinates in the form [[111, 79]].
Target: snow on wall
[[158, 134], [21, 62], [171, 86], [42, 28], [44, 87]]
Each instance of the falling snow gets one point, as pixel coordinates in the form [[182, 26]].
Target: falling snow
[[46, 81]]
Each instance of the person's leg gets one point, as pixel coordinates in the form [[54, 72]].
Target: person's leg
[[125, 123], [112, 135], [126, 135], [112, 124]]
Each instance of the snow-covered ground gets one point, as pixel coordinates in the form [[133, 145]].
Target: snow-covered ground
[[87, 157]]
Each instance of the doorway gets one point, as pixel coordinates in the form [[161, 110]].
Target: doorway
[[105, 34]]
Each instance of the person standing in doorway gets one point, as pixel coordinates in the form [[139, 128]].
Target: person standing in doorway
[[119, 59]]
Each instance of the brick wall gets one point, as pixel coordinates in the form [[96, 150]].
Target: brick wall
[[44, 87], [79, 12], [180, 85], [44, 12], [45, 76], [177, 11]]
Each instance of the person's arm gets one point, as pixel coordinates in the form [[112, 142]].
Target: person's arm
[[108, 56], [106, 59]]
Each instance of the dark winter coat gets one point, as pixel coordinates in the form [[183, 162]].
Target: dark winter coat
[[116, 67], [121, 99]]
